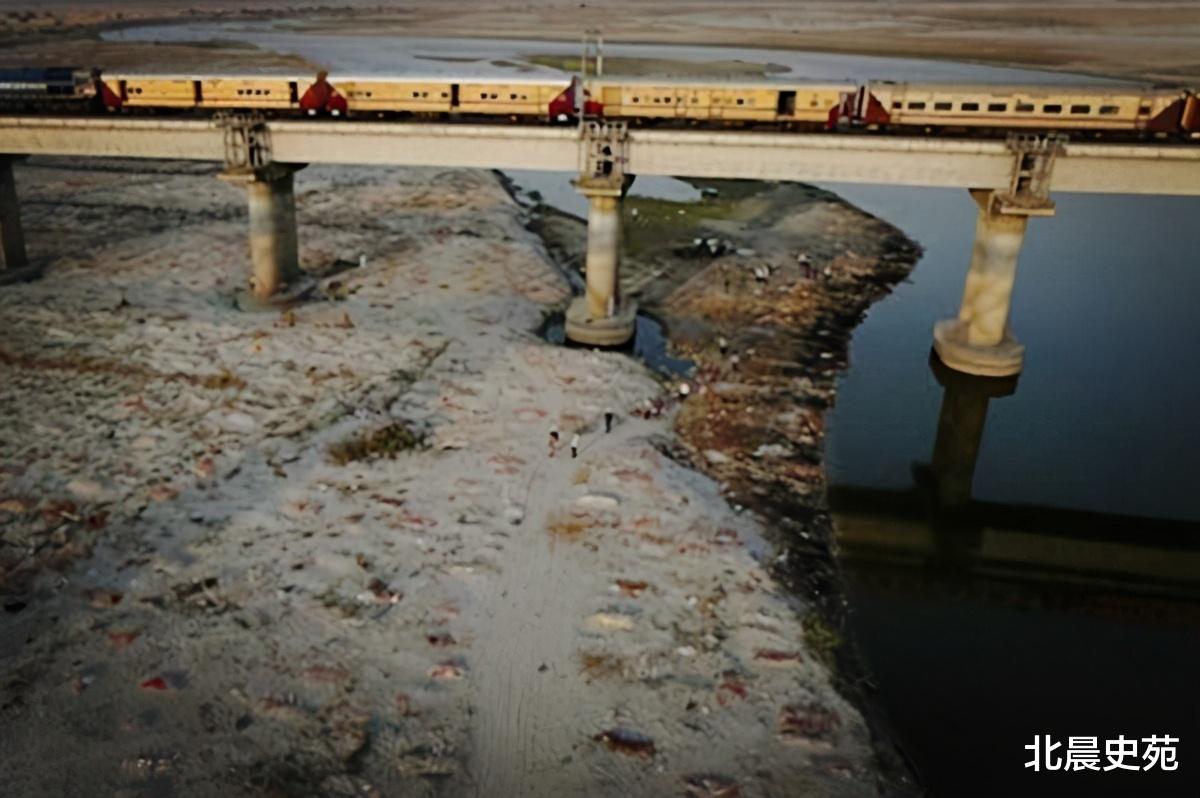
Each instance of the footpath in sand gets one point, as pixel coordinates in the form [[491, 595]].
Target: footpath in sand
[[325, 551]]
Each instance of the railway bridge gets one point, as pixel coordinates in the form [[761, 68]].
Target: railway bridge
[[1011, 179]]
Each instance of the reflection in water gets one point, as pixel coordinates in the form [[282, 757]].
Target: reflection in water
[[983, 624], [960, 429]]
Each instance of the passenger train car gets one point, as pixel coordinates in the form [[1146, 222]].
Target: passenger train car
[[1079, 108], [875, 106]]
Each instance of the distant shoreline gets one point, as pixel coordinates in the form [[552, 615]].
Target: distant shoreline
[[1020, 43]]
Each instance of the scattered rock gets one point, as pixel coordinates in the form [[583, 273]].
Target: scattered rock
[[627, 741]]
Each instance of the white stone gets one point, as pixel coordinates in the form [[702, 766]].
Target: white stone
[[772, 450], [715, 458], [599, 501], [88, 490], [238, 422]]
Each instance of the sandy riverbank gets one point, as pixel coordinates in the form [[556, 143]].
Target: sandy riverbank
[[767, 350], [1153, 40], [201, 596]]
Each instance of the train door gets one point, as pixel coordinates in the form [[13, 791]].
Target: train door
[[453, 95], [785, 104], [716, 104]]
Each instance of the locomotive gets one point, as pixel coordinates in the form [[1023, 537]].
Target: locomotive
[[873, 105]]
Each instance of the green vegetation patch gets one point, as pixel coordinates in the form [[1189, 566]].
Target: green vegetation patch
[[366, 445], [822, 641]]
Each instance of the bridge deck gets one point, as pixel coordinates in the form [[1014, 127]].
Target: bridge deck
[[1138, 168]]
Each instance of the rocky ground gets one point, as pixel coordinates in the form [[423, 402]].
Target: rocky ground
[[327, 549]]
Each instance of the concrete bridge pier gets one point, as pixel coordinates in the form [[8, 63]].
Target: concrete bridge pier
[[979, 341], [274, 250], [601, 317], [12, 238]]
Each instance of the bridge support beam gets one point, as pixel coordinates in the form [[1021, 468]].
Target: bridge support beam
[[274, 249], [600, 317], [12, 238], [979, 341]]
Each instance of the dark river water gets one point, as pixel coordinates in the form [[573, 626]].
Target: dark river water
[[1023, 556]]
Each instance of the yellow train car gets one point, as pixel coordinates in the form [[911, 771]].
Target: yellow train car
[[259, 92], [1042, 107], [741, 102], [153, 91], [508, 97], [383, 95], [812, 102], [266, 92]]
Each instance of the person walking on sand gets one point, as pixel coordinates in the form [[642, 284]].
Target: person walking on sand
[[575, 446], [553, 439], [608, 419]]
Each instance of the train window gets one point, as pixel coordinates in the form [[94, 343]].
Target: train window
[[494, 96], [943, 106], [1081, 109], [1025, 108], [1001, 107], [741, 101], [970, 106], [897, 104], [1109, 109], [426, 94], [1052, 109], [916, 106], [369, 94], [512, 96], [445, 95], [635, 99], [1143, 110], [483, 96]]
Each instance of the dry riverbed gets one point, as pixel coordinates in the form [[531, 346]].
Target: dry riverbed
[[325, 549]]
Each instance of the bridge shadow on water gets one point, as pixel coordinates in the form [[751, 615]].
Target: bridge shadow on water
[[983, 624]]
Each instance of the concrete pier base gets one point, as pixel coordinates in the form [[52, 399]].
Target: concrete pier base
[[600, 318], [274, 248], [584, 328], [979, 341], [12, 237], [952, 343]]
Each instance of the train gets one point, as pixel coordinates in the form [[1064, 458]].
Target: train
[[877, 105]]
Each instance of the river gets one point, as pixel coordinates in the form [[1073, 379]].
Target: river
[[1022, 556], [1026, 578]]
